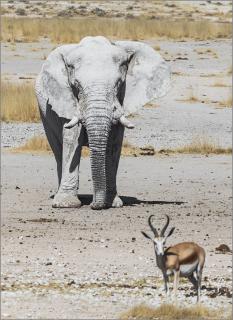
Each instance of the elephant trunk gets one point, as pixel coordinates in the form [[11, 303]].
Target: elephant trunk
[[98, 125]]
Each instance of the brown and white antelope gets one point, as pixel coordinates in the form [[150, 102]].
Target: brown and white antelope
[[181, 260]]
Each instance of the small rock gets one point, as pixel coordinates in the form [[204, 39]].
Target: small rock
[[147, 151], [224, 291], [223, 248]]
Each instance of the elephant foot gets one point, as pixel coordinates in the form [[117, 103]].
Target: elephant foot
[[64, 200], [98, 205], [117, 202]]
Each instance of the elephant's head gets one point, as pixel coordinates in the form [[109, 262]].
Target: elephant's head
[[98, 83]]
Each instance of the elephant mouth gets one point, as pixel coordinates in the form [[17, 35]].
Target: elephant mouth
[[117, 116]]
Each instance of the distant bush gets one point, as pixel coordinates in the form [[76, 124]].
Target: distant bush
[[20, 12], [98, 12], [3, 11]]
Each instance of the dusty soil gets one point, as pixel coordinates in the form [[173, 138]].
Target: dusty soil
[[84, 264]]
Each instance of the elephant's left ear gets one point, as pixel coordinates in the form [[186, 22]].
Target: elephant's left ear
[[148, 75]]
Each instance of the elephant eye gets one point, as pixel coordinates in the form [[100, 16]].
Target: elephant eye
[[76, 83], [75, 89], [70, 66], [123, 68]]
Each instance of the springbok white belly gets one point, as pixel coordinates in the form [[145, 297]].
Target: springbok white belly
[[187, 269]]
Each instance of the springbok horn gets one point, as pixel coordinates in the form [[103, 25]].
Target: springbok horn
[[152, 228], [165, 227], [126, 123], [72, 122]]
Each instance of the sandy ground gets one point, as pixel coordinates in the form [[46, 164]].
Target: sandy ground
[[85, 264]]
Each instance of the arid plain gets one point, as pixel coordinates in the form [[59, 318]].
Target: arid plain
[[84, 264]]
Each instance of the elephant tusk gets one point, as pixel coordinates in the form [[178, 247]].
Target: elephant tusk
[[126, 123], [72, 122]]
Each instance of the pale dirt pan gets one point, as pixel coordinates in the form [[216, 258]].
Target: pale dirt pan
[[77, 264]]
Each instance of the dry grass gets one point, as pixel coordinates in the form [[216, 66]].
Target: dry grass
[[18, 102], [157, 47], [229, 71], [171, 312], [36, 144], [219, 83], [3, 10], [198, 146], [151, 105], [39, 144], [206, 52], [129, 150], [192, 98], [61, 30], [227, 103], [202, 145], [178, 73], [209, 75]]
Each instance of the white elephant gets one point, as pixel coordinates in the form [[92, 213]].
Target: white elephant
[[84, 92]]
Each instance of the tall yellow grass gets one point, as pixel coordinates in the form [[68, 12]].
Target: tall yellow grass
[[18, 102], [226, 103], [171, 312], [61, 30], [202, 145], [38, 144]]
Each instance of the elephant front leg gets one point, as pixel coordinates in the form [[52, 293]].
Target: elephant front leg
[[113, 157], [67, 195]]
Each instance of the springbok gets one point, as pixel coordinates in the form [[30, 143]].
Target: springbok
[[181, 260]]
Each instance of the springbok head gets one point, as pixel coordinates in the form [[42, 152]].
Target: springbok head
[[159, 240]]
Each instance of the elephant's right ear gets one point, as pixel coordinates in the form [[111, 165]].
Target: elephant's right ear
[[53, 83], [148, 75]]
